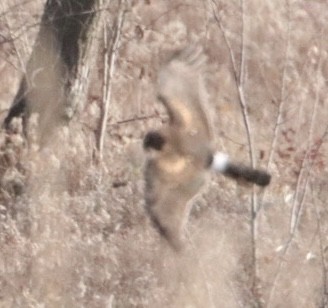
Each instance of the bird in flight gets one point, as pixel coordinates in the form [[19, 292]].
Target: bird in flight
[[180, 155]]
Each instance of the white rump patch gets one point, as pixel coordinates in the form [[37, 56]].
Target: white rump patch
[[220, 161]]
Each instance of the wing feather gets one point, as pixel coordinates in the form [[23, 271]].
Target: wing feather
[[181, 88]]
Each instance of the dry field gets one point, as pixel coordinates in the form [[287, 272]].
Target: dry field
[[73, 232]]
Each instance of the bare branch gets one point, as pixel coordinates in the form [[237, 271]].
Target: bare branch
[[231, 54], [111, 49], [239, 79], [295, 210], [282, 100], [18, 50], [324, 266], [141, 118], [13, 7], [282, 93], [302, 184]]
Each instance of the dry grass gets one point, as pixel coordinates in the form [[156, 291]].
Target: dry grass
[[73, 233]]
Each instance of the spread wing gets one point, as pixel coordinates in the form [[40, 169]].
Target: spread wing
[[181, 89], [169, 213], [178, 170]]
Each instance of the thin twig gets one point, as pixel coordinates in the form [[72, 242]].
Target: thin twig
[[10, 9], [23, 29], [301, 186], [19, 33], [295, 210], [322, 255], [231, 54], [243, 49], [239, 79], [139, 118], [288, 243], [110, 55], [282, 93], [122, 122], [282, 100], [17, 49]]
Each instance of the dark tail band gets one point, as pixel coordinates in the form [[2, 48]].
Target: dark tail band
[[258, 177]]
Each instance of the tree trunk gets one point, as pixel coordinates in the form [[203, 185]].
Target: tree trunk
[[56, 78]]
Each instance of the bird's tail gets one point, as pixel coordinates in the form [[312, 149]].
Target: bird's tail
[[222, 164]]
